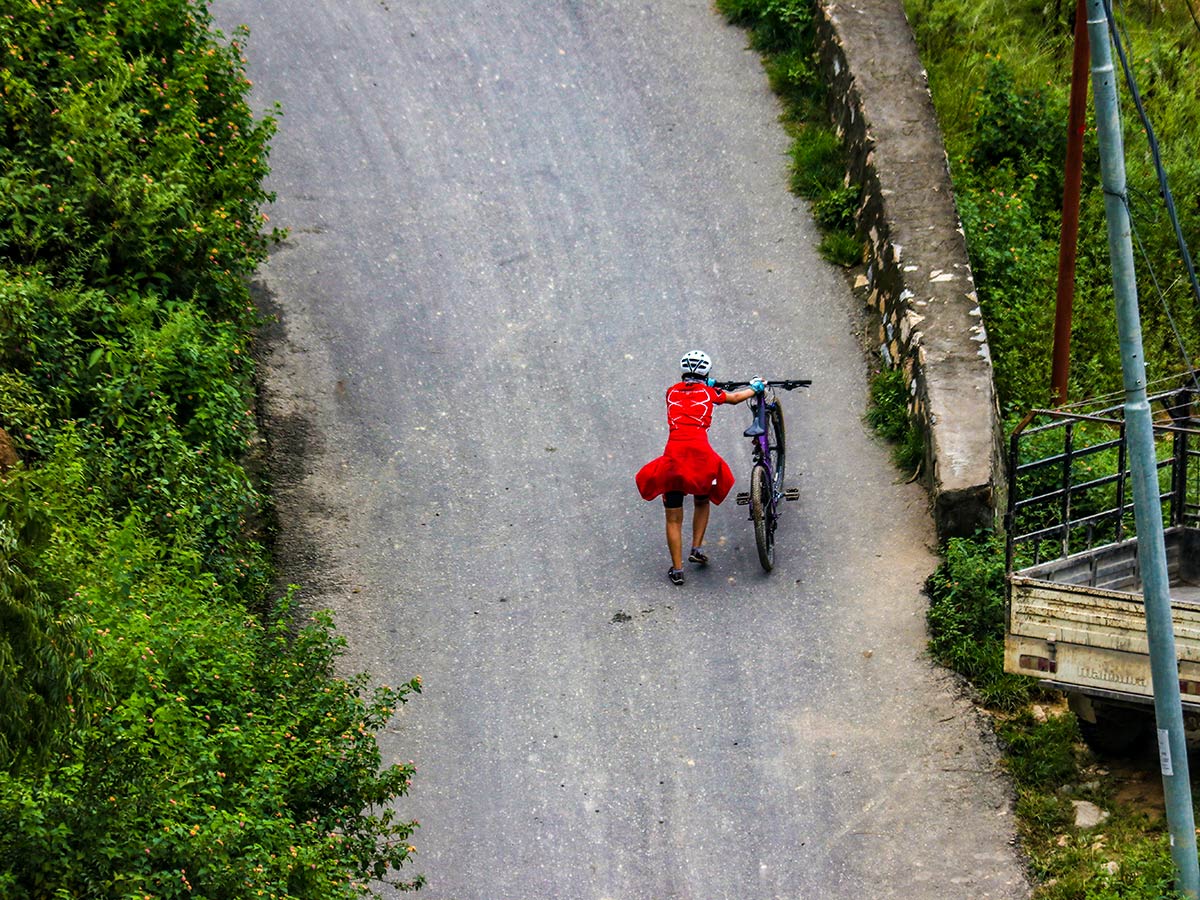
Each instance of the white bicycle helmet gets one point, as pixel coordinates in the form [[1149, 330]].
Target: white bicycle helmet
[[695, 362]]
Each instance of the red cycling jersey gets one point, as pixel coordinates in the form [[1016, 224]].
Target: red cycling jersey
[[690, 403], [688, 464]]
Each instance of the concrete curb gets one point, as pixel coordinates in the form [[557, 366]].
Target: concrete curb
[[918, 274]]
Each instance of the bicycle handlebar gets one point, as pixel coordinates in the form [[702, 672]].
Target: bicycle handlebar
[[786, 385]]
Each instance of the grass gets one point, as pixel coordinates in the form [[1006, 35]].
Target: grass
[[999, 76], [888, 414]]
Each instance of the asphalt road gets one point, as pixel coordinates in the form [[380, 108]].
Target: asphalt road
[[507, 220]]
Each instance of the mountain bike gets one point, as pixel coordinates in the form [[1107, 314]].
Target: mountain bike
[[768, 444]]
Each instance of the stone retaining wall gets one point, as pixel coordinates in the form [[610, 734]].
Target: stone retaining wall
[[918, 276]]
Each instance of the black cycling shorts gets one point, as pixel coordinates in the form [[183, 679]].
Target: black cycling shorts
[[674, 499]]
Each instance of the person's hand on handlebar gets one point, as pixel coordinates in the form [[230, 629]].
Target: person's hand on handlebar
[[756, 389]]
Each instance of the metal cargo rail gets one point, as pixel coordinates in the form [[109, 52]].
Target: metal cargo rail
[[1070, 487], [1074, 615]]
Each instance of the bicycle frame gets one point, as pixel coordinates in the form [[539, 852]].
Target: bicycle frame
[[760, 453], [765, 499]]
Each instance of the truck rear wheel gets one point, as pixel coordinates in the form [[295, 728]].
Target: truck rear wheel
[[1111, 729]]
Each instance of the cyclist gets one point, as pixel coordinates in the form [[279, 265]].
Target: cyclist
[[688, 464]]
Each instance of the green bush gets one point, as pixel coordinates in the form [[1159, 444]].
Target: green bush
[[775, 25], [1016, 261], [41, 654], [229, 757], [166, 726], [838, 208], [131, 157]]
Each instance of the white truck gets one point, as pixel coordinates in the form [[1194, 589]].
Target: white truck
[[1074, 616]]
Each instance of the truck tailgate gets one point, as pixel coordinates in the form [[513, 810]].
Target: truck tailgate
[[1093, 637]]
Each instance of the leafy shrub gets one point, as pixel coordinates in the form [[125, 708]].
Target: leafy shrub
[[1000, 77], [1015, 260], [166, 727], [1020, 130], [838, 208], [230, 759], [132, 157], [41, 665], [775, 25]]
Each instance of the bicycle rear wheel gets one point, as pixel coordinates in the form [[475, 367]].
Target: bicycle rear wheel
[[776, 445], [762, 512]]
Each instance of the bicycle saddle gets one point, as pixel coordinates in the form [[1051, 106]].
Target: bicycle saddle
[[756, 428]]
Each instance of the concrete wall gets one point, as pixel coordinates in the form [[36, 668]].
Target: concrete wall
[[919, 278]]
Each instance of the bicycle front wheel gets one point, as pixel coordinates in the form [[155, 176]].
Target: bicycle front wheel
[[762, 511], [776, 445]]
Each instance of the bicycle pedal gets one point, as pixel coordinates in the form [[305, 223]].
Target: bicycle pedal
[[743, 498], [791, 494]]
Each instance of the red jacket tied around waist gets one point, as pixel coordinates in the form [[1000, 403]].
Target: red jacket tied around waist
[[688, 464]]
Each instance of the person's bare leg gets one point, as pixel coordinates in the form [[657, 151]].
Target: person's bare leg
[[700, 521], [675, 536]]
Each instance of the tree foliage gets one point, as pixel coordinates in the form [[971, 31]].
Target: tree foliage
[[166, 726]]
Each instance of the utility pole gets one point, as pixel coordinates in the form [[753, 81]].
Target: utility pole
[[1139, 430], [1069, 233]]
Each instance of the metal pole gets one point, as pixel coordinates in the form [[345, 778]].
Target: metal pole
[[1069, 233], [1147, 508]]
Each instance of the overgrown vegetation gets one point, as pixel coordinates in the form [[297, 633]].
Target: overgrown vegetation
[[889, 415], [1000, 76], [966, 619], [166, 726]]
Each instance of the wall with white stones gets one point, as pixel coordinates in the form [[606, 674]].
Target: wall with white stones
[[918, 277]]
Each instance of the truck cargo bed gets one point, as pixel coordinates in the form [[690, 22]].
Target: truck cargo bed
[[1115, 566], [1080, 620]]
